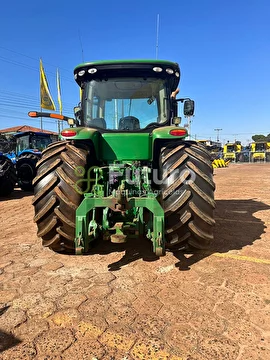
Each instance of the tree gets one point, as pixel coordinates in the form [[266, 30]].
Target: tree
[[257, 138]]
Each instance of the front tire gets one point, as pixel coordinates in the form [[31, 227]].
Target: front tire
[[26, 170], [7, 176], [187, 193]]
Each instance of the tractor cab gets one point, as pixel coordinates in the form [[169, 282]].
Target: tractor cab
[[131, 95], [29, 146], [32, 141], [231, 151], [260, 146]]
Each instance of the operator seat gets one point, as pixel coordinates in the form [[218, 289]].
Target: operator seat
[[98, 122], [129, 123]]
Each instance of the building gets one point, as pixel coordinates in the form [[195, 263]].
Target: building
[[21, 128]]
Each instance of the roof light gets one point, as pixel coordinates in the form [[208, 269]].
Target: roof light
[[157, 69], [178, 132], [92, 71], [177, 74], [169, 71], [68, 133], [81, 73], [75, 76]]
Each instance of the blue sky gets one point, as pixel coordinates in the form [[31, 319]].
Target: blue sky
[[222, 47]]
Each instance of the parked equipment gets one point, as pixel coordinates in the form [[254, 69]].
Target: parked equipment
[[231, 151], [215, 151], [8, 176], [124, 167], [219, 163], [19, 155], [29, 146], [214, 147], [260, 151]]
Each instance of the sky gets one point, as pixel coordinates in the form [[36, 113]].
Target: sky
[[222, 47]]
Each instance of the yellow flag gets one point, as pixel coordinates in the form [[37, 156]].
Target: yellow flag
[[59, 92], [46, 101]]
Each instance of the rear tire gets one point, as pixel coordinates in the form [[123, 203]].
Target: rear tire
[[56, 197], [26, 170], [187, 193], [7, 176]]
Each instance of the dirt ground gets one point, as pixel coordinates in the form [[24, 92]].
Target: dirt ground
[[123, 303]]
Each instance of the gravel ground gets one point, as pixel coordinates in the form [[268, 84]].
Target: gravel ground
[[122, 303]]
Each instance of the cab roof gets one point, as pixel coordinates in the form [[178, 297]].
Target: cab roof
[[163, 69], [130, 61]]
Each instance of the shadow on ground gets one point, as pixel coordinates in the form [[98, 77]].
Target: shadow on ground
[[134, 249], [6, 340], [236, 227], [16, 194]]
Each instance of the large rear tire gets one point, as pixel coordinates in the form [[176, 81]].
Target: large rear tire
[[57, 195], [7, 176], [26, 170], [187, 195]]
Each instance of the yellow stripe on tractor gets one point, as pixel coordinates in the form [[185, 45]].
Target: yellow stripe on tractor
[[218, 163]]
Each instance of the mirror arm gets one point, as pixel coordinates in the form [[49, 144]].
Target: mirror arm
[[182, 99]]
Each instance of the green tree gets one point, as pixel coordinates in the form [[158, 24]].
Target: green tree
[[259, 138]]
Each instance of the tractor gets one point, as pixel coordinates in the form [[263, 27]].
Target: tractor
[[8, 176], [29, 146], [260, 151], [123, 168], [231, 151], [23, 150]]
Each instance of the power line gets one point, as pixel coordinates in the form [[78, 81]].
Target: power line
[[218, 130], [27, 56], [34, 68], [15, 105]]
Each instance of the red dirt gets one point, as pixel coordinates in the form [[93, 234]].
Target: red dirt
[[123, 303]]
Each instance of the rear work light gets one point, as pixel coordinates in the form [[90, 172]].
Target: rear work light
[[178, 132], [68, 133]]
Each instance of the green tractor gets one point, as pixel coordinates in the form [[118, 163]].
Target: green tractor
[[123, 168]]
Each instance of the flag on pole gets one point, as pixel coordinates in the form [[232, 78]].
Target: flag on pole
[[59, 92], [46, 101]]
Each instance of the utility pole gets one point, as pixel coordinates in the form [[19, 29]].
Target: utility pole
[[217, 130], [189, 127]]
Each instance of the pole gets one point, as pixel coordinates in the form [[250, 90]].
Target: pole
[[157, 36], [40, 96], [59, 127], [81, 45], [217, 130], [41, 122], [189, 128]]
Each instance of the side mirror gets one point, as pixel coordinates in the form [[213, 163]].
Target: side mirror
[[189, 107], [77, 112]]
